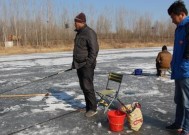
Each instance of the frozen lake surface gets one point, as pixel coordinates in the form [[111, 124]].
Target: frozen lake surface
[[58, 115]]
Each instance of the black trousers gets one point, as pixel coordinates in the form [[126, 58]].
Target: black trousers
[[86, 75], [157, 68]]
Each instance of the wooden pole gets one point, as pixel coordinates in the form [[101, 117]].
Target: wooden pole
[[24, 95]]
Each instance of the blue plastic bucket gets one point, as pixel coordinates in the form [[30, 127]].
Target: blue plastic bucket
[[138, 71]]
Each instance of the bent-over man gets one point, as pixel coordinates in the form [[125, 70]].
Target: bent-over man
[[163, 60]]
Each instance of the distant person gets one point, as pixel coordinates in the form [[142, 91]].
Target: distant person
[[163, 60], [180, 66], [84, 60]]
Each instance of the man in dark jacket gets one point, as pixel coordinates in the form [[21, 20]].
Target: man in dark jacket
[[180, 66], [84, 60], [163, 60]]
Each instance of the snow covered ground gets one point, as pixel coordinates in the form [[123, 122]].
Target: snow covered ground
[[58, 114]]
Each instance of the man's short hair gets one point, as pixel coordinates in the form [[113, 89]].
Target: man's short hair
[[177, 7], [164, 48]]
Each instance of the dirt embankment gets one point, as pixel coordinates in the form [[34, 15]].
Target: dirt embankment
[[69, 47]]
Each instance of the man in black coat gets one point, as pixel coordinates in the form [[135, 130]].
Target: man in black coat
[[84, 61]]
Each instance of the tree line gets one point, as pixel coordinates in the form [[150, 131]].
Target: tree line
[[47, 26]]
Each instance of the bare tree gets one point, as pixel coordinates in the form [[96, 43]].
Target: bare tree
[[4, 20], [120, 22], [44, 25], [103, 25]]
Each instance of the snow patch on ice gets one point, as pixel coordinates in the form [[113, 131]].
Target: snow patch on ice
[[102, 75], [37, 98], [80, 97], [59, 85], [75, 130], [73, 84], [3, 82], [66, 85], [12, 108], [23, 114], [54, 107], [148, 127], [48, 130], [164, 79], [44, 130], [70, 93], [122, 67], [38, 126], [99, 125], [169, 81], [15, 74], [156, 101], [129, 131], [11, 68], [160, 110], [62, 100], [37, 78], [144, 93], [104, 57], [52, 100], [154, 92], [155, 88]]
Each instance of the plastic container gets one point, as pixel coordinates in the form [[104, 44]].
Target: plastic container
[[116, 120], [138, 72]]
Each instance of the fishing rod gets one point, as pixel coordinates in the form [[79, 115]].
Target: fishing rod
[[45, 121], [61, 71]]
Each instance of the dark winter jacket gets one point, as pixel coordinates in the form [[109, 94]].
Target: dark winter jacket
[[164, 59], [85, 48], [180, 60]]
